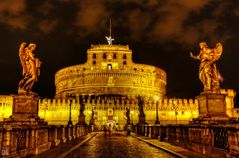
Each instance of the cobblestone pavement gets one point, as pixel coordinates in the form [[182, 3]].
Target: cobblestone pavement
[[177, 150], [63, 148], [118, 145]]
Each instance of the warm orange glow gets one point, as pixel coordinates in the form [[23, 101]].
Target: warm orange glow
[[157, 98]]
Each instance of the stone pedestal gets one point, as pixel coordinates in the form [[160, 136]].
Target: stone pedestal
[[142, 119], [25, 110], [92, 121], [28, 134], [81, 120], [212, 108]]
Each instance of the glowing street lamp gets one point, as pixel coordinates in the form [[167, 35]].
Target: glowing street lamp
[[92, 121], [70, 122], [45, 108], [157, 117], [175, 107]]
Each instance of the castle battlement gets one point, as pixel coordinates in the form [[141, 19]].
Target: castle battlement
[[53, 102], [164, 104], [179, 101], [229, 92]]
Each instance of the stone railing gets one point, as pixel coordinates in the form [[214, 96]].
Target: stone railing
[[219, 140], [32, 140]]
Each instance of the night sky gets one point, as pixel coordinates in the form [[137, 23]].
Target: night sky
[[160, 33]]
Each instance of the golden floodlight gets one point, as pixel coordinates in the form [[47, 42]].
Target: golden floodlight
[[157, 98]]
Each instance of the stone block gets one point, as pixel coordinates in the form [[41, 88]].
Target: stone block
[[25, 110], [212, 109], [25, 106], [212, 105]]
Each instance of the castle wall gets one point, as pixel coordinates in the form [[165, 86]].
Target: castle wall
[[170, 111], [6, 102]]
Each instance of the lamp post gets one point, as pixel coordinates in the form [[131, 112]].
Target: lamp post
[[157, 117], [70, 122], [92, 120], [81, 120], [132, 114], [45, 108], [175, 107]]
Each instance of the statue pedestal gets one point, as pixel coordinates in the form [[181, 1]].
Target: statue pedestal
[[81, 120], [212, 108], [142, 119], [25, 110], [32, 132], [92, 121]]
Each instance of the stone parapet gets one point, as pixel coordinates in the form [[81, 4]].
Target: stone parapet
[[21, 141], [210, 140]]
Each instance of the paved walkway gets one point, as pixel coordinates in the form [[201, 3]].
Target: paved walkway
[[64, 148], [117, 145], [176, 150], [111, 144]]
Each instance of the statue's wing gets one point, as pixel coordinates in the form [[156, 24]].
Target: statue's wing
[[22, 56], [217, 52]]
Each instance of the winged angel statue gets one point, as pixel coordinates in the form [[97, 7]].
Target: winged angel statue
[[208, 73], [30, 66]]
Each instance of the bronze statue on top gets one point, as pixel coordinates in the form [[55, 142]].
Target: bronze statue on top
[[30, 66], [208, 73]]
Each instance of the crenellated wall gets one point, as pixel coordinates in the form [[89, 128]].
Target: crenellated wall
[[57, 111], [230, 94], [6, 102], [170, 111]]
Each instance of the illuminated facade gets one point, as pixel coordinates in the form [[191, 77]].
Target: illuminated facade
[[6, 102], [171, 111], [109, 70]]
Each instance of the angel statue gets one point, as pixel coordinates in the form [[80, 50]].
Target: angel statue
[[208, 73], [30, 66]]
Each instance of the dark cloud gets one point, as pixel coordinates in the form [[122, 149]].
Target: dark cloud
[[11, 13], [45, 8], [47, 26]]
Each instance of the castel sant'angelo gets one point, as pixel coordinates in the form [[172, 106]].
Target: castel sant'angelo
[[109, 88], [110, 71]]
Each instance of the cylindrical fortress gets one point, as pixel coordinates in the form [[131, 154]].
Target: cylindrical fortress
[[109, 70]]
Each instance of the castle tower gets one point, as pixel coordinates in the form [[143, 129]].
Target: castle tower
[[109, 70]]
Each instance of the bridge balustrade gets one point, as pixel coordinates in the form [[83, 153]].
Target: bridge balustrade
[[32, 140], [206, 139]]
